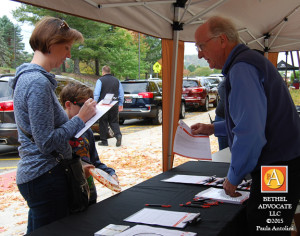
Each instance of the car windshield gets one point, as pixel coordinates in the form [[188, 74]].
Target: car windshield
[[189, 83], [5, 91], [134, 88], [214, 80], [159, 83]]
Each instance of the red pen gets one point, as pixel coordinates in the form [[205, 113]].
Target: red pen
[[157, 205]]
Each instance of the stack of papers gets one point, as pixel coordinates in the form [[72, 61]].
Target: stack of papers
[[148, 230], [188, 145], [205, 180], [220, 195], [162, 217]]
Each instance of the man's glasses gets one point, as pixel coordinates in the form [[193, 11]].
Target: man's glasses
[[80, 104], [201, 46], [64, 25]]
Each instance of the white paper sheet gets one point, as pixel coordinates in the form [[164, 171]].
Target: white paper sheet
[[188, 145], [186, 179], [161, 217], [220, 195], [101, 109], [148, 230]]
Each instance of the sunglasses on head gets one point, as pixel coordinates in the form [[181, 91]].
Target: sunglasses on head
[[64, 25], [80, 104]]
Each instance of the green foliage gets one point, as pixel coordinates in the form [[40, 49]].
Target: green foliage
[[191, 68], [11, 47], [293, 77], [104, 44], [201, 71], [295, 93]]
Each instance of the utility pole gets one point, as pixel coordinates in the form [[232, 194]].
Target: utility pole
[[14, 47], [139, 57]]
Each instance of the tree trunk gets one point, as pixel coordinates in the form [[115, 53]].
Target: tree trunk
[[76, 66], [58, 71], [97, 66], [63, 67]]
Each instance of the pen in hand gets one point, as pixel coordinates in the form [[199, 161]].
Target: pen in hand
[[157, 205]]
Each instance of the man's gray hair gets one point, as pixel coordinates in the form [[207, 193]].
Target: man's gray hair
[[106, 69], [220, 25]]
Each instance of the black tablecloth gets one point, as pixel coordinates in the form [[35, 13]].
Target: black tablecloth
[[225, 219]]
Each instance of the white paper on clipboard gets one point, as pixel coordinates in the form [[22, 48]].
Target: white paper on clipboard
[[101, 109], [192, 146]]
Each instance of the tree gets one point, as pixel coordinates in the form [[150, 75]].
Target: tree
[[4, 52], [12, 48], [153, 53], [191, 68], [104, 44]]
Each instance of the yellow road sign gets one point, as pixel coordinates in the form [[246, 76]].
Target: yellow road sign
[[156, 67]]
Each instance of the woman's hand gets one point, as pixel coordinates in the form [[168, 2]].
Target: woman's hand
[[200, 128], [88, 110]]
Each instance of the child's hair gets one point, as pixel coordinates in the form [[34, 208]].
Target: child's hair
[[74, 92]]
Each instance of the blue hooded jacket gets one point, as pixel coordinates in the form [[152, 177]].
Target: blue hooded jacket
[[38, 112]]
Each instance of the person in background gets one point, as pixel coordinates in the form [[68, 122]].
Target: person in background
[[72, 97], [220, 114], [261, 122], [109, 84], [40, 178]]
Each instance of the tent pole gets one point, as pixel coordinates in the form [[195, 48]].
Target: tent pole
[[286, 57], [298, 57], [293, 64], [173, 90]]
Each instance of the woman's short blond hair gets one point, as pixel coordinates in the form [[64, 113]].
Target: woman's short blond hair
[[50, 30]]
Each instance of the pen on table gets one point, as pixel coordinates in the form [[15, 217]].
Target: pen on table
[[210, 179], [220, 181], [194, 205], [157, 205]]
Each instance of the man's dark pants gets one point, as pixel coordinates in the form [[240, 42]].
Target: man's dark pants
[[112, 118]]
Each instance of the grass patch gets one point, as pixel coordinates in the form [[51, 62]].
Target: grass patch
[[295, 93]]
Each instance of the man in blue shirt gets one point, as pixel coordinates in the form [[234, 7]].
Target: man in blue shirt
[[109, 84], [261, 122]]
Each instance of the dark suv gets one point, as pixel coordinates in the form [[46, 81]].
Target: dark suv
[[8, 127], [143, 100], [199, 92]]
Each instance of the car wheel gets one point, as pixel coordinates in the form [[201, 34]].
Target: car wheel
[[121, 121], [205, 106], [216, 102], [158, 118], [182, 111]]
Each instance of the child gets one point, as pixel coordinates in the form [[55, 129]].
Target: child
[[72, 97]]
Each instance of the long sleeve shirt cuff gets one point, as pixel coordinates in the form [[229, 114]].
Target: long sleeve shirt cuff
[[220, 129]]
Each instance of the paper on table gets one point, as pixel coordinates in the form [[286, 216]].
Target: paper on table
[[161, 217], [188, 145], [187, 179], [148, 230], [101, 109], [220, 195]]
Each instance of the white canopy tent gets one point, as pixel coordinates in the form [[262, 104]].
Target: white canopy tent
[[266, 25]]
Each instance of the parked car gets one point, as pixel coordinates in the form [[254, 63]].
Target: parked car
[[8, 127], [199, 93], [143, 100]]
